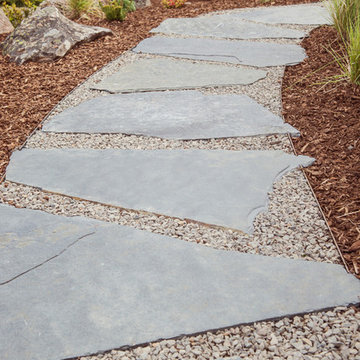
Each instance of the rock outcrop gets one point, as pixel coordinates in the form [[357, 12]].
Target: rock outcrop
[[5, 24], [47, 35]]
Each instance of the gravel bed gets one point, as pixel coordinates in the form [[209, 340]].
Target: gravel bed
[[121, 141], [328, 335], [268, 40], [295, 231]]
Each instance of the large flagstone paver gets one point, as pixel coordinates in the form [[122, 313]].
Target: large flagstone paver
[[164, 74], [29, 238], [226, 188], [224, 26], [120, 286], [260, 54], [305, 14], [172, 115]]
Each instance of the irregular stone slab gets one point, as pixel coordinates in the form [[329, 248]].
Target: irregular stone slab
[[172, 115], [226, 188], [164, 74], [224, 26], [47, 35], [29, 238], [122, 286], [236, 52], [305, 14], [5, 24]]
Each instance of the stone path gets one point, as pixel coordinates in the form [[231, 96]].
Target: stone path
[[167, 74], [192, 168], [192, 184], [195, 116], [142, 287], [236, 52]]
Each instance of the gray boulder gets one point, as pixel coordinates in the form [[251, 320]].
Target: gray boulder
[[61, 5], [142, 3], [5, 24], [47, 35]]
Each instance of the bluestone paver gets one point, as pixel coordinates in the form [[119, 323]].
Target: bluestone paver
[[304, 14], [260, 54], [172, 115], [224, 26], [120, 286], [29, 238], [164, 74], [226, 188]]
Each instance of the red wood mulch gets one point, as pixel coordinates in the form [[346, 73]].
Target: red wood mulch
[[327, 116]]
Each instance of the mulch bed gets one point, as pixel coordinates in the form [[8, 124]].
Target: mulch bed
[[327, 115]]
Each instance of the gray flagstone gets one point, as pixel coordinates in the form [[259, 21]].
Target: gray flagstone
[[29, 238], [172, 115], [226, 188], [120, 286], [224, 26], [304, 14], [260, 54], [165, 74]]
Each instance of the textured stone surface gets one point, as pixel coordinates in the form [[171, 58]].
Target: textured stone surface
[[121, 286], [5, 24], [235, 52], [47, 35], [218, 187], [29, 238], [163, 74], [142, 3], [172, 115], [61, 5], [224, 26], [306, 14]]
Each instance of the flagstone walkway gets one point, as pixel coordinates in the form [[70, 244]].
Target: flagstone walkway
[[191, 212]]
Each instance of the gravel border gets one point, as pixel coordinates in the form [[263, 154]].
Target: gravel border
[[120, 141], [330, 335]]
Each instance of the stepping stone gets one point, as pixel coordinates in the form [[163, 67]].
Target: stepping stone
[[120, 286], [236, 52], [224, 26], [225, 188], [29, 238], [172, 115], [306, 14], [164, 74]]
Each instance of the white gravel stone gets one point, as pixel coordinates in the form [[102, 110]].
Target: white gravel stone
[[120, 141], [242, 341]]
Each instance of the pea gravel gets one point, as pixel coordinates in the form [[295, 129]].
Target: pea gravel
[[121, 141], [328, 335]]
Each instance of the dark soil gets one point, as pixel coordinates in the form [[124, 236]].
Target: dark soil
[[327, 115]]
